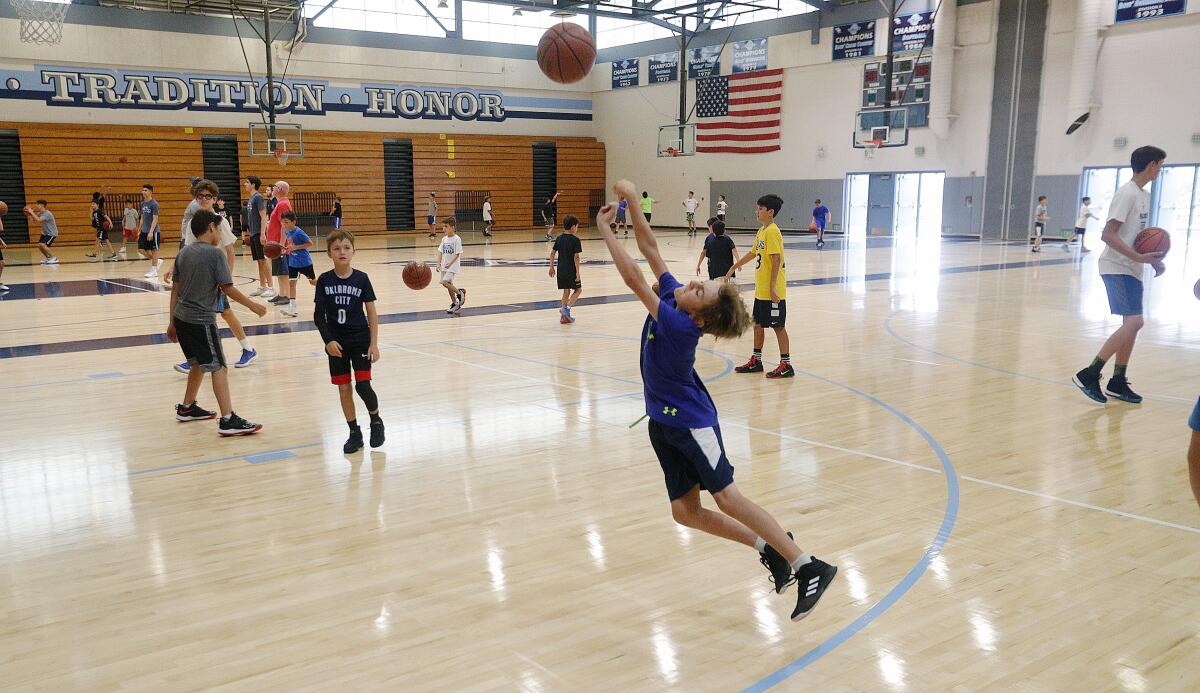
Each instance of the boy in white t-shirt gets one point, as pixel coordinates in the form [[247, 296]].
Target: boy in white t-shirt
[[449, 254], [691, 204], [1039, 222], [1121, 269], [722, 209], [1085, 213], [487, 216]]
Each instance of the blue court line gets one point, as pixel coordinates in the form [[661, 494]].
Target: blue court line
[[887, 325], [906, 583], [103, 343], [949, 516], [252, 458]]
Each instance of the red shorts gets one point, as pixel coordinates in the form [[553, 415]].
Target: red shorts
[[131, 233]]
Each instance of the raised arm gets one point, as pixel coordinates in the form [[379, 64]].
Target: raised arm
[[626, 265], [646, 241]]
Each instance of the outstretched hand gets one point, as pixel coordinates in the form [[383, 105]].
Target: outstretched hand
[[624, 189], [605, 216]]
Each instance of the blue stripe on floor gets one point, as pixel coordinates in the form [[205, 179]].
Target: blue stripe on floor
[[104, 343]]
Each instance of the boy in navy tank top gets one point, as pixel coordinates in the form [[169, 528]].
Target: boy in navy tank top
[[684, 430]]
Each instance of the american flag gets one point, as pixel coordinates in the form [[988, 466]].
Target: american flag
[[739, 114]]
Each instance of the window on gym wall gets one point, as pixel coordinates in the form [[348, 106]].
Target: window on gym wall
[[484, 22], [619, 32], [387, 16], [787, 8]]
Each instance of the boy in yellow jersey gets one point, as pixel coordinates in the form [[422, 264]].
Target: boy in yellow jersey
[[770, 289]]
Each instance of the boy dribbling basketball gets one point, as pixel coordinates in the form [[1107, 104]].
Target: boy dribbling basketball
[[1121, 268], [770, 290], [684, 430], [450, 252], [346, 318]]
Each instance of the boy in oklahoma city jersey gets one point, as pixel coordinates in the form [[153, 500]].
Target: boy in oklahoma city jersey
[[351, 335]]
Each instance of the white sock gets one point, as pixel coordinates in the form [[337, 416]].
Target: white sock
[[246, 344], [760, 545], [292, 303], [800, 562]]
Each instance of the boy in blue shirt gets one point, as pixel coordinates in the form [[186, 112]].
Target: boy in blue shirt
[[295, 245], [684, 430], [819, 219]]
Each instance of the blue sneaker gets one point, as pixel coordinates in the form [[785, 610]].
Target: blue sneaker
[[184, 367], [248, 356]]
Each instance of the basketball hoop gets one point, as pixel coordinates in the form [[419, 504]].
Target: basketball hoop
[[281, 157], [869, 147], [671, 151], [41, 22]]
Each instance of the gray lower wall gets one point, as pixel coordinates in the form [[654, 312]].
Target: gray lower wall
[[962, 206], [798, 196], [1063, 192]]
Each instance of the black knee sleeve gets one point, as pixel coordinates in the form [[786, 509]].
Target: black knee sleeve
[[363, 387]]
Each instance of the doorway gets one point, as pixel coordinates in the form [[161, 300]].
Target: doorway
[[894, 204]]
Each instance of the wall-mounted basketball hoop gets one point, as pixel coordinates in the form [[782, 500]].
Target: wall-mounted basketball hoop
[[677, 140], [279, 140], [41, 22]]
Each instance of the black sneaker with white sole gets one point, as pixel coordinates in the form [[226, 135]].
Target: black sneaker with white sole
[[1088, 381], [1119, 388], [234, 425], [192, 412], [811, 581], [377, 436], [778, 566]]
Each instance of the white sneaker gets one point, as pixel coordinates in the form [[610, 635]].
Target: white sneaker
[[4, 287], [158, 264], [45, 261], [52, 261], [269, 294], [288, 311], [151, 274], [122, 251], [259, 291]]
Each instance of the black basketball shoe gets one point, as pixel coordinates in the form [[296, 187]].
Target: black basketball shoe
[[777, 565], [811, 581], [234, 425], [377, 436], [1119, 388], [192, 412], [1088, 381], [354, 443], [754, 365]]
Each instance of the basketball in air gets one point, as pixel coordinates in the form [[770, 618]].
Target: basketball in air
[[566, 53], [417, 275], [1152, 240]]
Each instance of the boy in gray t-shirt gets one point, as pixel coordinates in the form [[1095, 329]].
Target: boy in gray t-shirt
[[39, 214], [201, 276], [431, 214]]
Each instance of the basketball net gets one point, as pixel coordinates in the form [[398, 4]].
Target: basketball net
[[41, 22], [281, 157], [871, 146]]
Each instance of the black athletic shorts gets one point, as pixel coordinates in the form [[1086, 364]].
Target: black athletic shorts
[[147, 242], [279, 267], [568, 280], [256, 247], [691, 456], [201, 345], [768, 314], [47, 240], [101, 234], [648, 215], [295, 272], [354, 357], [1038, 228]]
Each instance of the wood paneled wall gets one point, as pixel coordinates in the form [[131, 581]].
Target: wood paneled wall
[[64, 164]]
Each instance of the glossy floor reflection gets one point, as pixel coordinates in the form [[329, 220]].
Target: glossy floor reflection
[[994, 530]]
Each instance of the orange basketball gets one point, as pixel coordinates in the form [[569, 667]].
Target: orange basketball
[[812, 227], [1152, 240], [272, 249], [566, 53], [3, 208], [417, 275]]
